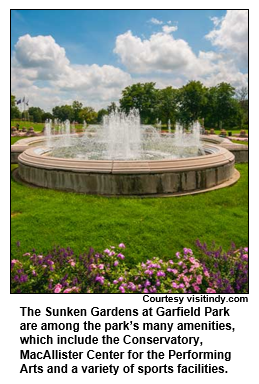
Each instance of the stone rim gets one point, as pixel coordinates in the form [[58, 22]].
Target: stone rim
[[219, 157]]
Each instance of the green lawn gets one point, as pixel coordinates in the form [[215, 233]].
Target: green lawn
[[38, 127], [149, 227], [240, 142], [27, 124], [14, 139]]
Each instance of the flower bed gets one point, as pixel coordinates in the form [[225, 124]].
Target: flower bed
[[60, 271]]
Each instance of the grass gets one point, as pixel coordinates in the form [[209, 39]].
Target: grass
[[38, 127], [27, 124], [234, 131], [14, 139], [240, 142], [149, 227]]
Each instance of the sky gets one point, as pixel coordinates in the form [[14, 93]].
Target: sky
[[91, 55]]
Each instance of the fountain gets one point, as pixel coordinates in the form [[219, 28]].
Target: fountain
[[123, 157], [48, 132], [122, 137], [169, 126]]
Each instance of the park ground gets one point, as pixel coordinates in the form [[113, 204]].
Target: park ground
[[149, 227]]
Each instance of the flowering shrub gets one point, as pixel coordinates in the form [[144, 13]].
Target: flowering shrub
[[60, 271], [228, 270]]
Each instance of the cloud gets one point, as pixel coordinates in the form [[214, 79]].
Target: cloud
[[42, 71], [40, 60], [167, 29], [155, 21], [160, 53], [231, 35], [216, 20]]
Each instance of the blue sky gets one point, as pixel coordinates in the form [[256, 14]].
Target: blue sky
[[89, 36], [95, 39]]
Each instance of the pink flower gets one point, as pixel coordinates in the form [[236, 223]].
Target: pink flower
[[246, 249], [100, 279], [27, 254], [245, 256], [116, 263], [122, 246], [101, 266], [187, 251], [106, 251], [174, 285], [160, 273], [121, 288], [115, 281], [178, 255], [14, 261], [175, 271], [196, 288], [73, 289], [57, 288], [121, 256], [199, 279], [112, 253], [120, 278], [210, 290], [33, 273]]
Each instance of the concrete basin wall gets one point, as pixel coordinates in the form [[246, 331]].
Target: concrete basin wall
[[127, 177]]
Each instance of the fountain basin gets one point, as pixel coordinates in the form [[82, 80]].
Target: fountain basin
[[128, 178]]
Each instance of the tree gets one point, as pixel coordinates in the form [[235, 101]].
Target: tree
[[193, 102], [36, 114], [167, 105], [47, 115], [77, 107], [242, 97], [210, 116], [15, 113], [101, 113], [142, 97], [112, 108], [88, 114], [225, 107], [65, 112]]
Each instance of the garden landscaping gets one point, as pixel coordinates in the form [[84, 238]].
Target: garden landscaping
[[43, 220]]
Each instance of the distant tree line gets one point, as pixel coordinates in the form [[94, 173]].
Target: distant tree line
[[220, 106]]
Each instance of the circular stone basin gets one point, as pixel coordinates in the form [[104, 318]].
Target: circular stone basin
[[128, 178]]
